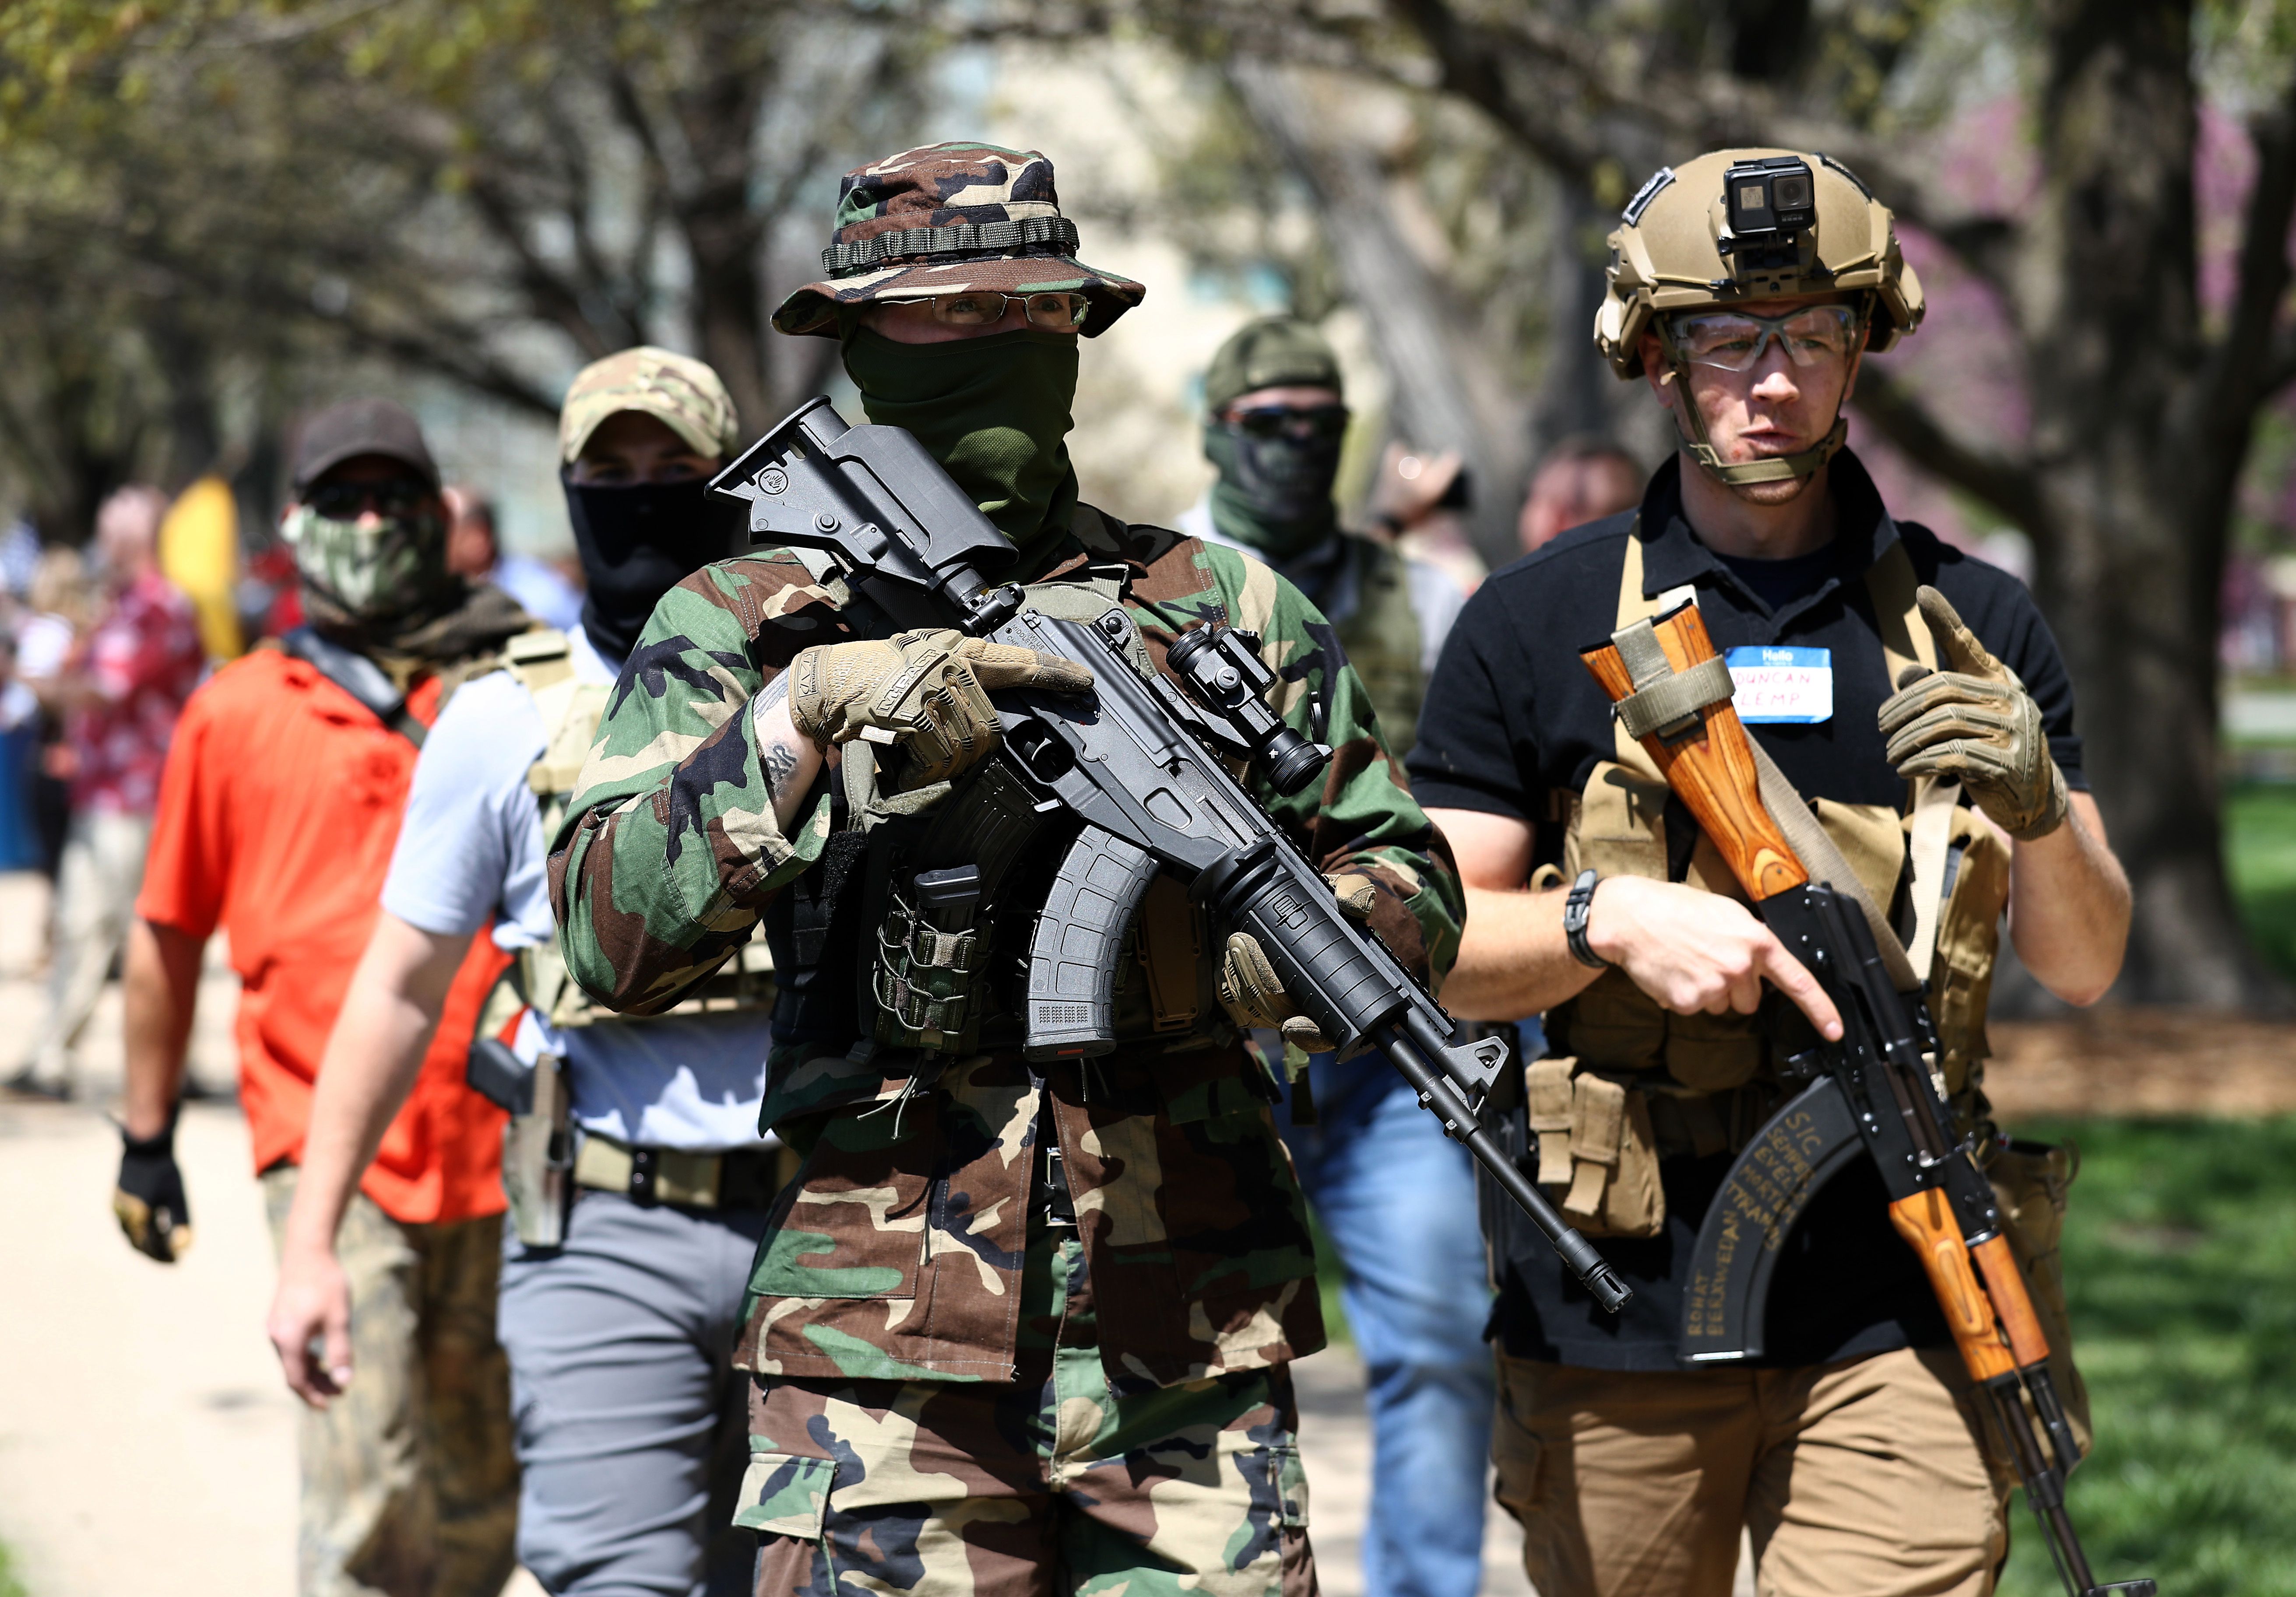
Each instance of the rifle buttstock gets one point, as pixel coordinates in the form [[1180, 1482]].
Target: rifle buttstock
[[1711, 765]]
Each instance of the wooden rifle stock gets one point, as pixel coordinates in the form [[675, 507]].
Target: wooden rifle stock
[[1711, 765]]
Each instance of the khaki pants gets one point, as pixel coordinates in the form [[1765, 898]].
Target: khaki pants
[[96, 883], [410, 1486], [1863, 1477]]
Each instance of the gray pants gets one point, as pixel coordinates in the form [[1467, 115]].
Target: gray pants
[[633, 1425]]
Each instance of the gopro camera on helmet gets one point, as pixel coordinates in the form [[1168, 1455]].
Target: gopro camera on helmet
[[1770, 202]]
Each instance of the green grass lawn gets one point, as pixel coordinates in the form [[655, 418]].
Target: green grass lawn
[[2261, 852], [2180, 1259]]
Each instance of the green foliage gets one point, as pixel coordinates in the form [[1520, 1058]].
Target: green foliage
[[2180, 1261], [205, 205], [2261, 855], [11, 1586]]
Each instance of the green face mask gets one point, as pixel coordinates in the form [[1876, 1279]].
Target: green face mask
[[391, 568], [1273, 494], [994, 411]]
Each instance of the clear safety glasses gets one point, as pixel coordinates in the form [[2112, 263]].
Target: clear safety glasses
[[1061, 312], [1734, 340]]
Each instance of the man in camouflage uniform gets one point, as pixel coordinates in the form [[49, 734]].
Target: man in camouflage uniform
[[1016, 1328], [1394, 1195]]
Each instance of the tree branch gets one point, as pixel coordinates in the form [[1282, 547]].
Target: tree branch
[[2002, 481], [2240, 372]]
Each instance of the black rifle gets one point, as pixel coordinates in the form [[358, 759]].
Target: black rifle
[[1139, 764], [1872, 1092]]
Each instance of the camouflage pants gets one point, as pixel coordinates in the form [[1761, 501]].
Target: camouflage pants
[[1046, 1485], [409, 1484]]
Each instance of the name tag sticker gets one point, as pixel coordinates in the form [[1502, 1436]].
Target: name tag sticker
[[1782, 685]]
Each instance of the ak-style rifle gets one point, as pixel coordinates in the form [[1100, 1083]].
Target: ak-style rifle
[[1132, 774], [1874, 1090]]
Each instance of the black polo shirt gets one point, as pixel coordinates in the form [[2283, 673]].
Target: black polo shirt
[[1512, 718]]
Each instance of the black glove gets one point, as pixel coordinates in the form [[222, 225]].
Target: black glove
[[150, 1200]]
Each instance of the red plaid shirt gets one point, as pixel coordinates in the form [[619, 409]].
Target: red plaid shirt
[[143, 660]]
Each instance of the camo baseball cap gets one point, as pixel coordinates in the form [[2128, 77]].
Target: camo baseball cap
[[946, 218], [1272, 352], [676, 391]]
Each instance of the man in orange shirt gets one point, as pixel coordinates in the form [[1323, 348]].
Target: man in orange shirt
[[277, 813]]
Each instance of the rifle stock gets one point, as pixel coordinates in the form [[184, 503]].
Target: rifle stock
[[1712, 767]]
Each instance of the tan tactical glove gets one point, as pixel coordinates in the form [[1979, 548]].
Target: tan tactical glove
[[1253, 994], [1975, 724], [927, 692]]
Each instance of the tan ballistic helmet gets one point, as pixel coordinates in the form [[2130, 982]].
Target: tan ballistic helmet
[[1735, 226]]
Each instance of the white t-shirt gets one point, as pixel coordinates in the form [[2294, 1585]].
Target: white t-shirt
[[470, 852]]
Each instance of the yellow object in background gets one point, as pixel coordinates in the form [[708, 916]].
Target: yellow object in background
[[199, 551]]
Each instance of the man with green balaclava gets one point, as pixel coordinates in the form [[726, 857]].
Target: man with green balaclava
[[1396, 1196], [1014, 1326], [1274, 416]]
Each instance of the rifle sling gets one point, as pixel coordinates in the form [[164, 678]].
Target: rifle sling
[[357, 676], [1825, 863]]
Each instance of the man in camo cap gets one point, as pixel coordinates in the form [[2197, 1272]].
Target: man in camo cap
[[1013, 1332]]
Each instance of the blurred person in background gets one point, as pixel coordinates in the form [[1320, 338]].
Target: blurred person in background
[[622, 1287], [1418, 499], [19, 742], [1582, 478], [120, 688], [277, 815], [59, 607], [474, 550], [1397, 1196]]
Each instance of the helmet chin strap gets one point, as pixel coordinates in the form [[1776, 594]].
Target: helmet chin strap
[[1800, 466]]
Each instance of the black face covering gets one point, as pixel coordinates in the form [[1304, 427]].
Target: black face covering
[[638, 542], [1275, 493]]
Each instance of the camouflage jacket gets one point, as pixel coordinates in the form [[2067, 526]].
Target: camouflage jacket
[[897, 1253]]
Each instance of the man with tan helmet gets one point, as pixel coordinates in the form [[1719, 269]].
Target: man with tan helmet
[[1914, 697], [637, 1182]]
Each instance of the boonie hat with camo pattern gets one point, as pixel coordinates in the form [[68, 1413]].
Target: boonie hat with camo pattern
[[947, 219]]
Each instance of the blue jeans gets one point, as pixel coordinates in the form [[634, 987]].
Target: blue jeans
[[1399, 1198]]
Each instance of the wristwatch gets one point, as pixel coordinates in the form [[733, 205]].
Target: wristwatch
[[1575, 910]]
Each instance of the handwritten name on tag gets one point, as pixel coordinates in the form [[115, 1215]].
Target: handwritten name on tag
[[1782, 685]]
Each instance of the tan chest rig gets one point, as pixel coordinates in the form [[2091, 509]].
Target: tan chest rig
[[542, 662], [1634, 1082]]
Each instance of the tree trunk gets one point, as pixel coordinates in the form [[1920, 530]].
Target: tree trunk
[[1445, 394], [723, 239], [2133, 506]]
